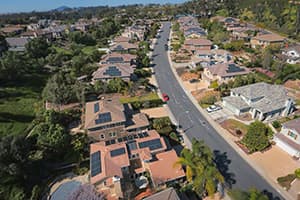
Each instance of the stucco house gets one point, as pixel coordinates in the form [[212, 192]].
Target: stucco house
[[223, 72], [289, 137], [263, 101], [265, 40]]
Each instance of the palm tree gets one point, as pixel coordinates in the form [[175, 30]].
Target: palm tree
[[201, 170]]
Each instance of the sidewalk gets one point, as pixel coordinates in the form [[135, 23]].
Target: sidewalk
[[226, 136]]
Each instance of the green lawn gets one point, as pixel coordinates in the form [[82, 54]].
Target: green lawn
[[17, 103], [89, 49], [62, 50], [147, 97]]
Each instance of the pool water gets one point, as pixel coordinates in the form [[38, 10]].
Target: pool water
[[64, 191]]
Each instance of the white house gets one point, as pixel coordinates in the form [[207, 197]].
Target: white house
[[289, 137], [263, 101]]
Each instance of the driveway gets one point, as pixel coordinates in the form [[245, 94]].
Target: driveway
[[221, 115], [237, 172]]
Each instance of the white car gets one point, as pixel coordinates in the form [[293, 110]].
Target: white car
[[213, 108]]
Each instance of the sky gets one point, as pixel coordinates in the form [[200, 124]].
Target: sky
[[9, 6]]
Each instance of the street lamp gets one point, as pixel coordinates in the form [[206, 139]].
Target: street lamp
[[186, 112]]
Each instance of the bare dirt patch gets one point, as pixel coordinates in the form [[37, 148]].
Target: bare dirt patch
[[186, 76]]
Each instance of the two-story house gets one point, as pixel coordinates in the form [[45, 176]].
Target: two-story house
[[110, 121], [116, 166], [194, 45], [262, 100], [289, 137], [265, 40]]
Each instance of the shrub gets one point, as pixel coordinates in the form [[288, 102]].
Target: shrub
[[209, 100], [214, 85], [276, 124], [286, 181], [257, 137], [297, 173]]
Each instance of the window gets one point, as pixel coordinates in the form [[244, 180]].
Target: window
[[102, 136], [113, 134], [292, 135]]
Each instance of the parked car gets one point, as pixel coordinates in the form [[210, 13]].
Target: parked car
[[166, 47], [213, 108], [165, 97]]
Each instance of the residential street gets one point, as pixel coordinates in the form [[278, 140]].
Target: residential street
[[239, 172]]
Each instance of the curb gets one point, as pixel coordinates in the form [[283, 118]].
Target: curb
[[219, 130]]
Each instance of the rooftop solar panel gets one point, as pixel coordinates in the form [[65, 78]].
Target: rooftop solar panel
[[115, 59], [232, 68], [113, 71], [95, 163], [117, 152], [96, 107], [103, 118], [152, 144]]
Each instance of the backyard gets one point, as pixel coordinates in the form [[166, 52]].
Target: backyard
[[18, 101]]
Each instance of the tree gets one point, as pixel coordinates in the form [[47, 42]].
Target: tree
[[38, 48], [59, 89], [252, 194], [201, 170], [297, 173], [12, 66], [247, 15], [257, 137], [116, 85]]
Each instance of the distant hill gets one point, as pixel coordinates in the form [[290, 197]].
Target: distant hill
[[62, 8]]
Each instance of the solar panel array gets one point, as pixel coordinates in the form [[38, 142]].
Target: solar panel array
[[117, 152], [152, 144], [103, 118], [96, 107], [232, 68], [115, 59], [112, 71], [95, 163]]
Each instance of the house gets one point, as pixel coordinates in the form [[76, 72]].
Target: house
[[12, 29], [107, 72], [194, 45], [289, 137], [223, 72], [292, 54], [265, 40], [212, 56], [116, 167], [16, 44], [121, 39], [123, 47], [262, 100], [115, 57], [38, 33], [168, 194], [108, 120], [194, 32], [56, 31]]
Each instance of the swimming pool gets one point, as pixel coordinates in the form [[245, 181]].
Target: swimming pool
[[63, 191]]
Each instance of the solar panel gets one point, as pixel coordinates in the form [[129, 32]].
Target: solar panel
[[96, 107], [112, 71], [95, 163], [117, 152], [152, 144], [115, 59], [103, 118], [132, 145], [232, 68]]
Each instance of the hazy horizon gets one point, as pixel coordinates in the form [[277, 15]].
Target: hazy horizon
[[13, 6]]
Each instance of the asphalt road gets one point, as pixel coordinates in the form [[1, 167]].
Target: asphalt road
[[236, 170]]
